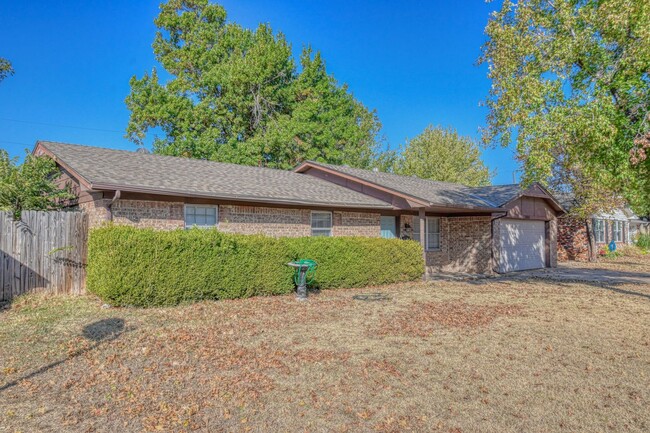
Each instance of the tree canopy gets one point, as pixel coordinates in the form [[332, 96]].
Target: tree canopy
[[443, 155], [571, 86], [236, 95], [5, 68], [31, 185]]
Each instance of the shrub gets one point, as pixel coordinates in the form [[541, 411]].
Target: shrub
[[145, 267], [357, 262], [643, 242]]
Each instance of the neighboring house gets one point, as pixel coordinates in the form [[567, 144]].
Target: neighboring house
[[580, 239], [639, 226], [462, 229]]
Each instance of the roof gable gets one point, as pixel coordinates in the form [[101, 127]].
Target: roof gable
[[435, 193], [423, 191]]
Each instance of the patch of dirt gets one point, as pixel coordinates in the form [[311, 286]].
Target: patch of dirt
[[420, 319]]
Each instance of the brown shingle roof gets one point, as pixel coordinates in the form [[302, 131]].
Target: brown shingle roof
[[109, 169], [498, 194], [434, 192]]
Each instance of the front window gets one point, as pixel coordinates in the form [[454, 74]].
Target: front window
[[202, 216], [599, 230], [321, 223], [618, 231], [416, 229], [432, 232]]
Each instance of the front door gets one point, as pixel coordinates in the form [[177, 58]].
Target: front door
[[388, 229]]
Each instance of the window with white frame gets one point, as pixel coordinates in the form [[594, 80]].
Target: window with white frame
[[618, 231], [416, 229], [201, 215], [599, 230], [321, 223], [432, 232]]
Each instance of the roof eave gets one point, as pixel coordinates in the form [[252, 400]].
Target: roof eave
[[233, 197], [465, 207]]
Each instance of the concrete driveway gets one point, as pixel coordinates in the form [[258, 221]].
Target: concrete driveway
[[575, 271]]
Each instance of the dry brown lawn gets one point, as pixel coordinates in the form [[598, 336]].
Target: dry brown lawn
[[487, 356], [631, 260]]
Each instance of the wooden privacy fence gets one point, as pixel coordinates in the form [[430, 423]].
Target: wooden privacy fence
[[44, 251]]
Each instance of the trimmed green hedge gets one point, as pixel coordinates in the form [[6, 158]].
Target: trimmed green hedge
[[145, 267]]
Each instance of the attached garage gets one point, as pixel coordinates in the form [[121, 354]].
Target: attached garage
[[525, 237], [522, 244]]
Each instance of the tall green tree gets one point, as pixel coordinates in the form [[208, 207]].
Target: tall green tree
[[5, 68], [443, 155], [235, 95], [31, 185], [571, 86], [324, 122]]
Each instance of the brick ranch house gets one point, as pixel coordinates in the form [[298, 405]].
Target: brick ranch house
[[462, 229]]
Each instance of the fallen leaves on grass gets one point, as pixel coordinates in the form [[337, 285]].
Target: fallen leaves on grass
[[421, 318], [167, 380], [274, 364], [402, 423]]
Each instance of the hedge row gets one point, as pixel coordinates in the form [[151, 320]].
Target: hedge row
[[145, 267]]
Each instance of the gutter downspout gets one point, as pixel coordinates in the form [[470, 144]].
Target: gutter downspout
[[494, 260], [116, 197]]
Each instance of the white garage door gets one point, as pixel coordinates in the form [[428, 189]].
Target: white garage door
[[521, 245]]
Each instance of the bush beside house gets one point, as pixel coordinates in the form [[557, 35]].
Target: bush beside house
[[145, 267], [643, 242]]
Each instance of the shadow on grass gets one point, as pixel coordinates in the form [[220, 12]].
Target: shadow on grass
[[622, 291], [100, 332], [599, 285]]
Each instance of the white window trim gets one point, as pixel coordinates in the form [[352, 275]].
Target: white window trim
[[602, 230], [207, 206], [311, 221], [618, 231], [426, 232]]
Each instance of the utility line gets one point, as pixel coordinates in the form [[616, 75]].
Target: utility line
[[61, 126], [14, 142]]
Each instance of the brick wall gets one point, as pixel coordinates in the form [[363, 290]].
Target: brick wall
[[293, 222], [572, 239], [97, 211], [464, 241], [465, 245], [264, 220], [269, 221], [145, 213], [356, 224]]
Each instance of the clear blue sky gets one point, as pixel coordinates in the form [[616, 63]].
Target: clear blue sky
[[415, 62]]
